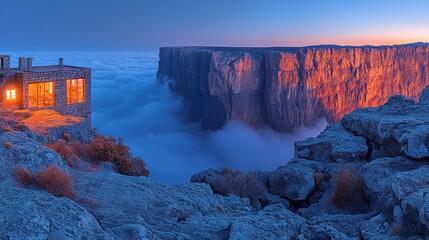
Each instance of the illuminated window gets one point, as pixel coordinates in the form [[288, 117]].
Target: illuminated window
[[75, 91], [41, 95], [10, 94]]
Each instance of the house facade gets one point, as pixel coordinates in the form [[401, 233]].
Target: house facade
[[65, 89]]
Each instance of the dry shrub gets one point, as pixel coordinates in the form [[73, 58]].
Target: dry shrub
[[349, 189], [69, 151], [7, 145], [51, 179], [139, 167], [65, 150], [79, 149], [107, 149], [23, 176], [67, 137], [234, 182], [9, 120], [317, 179], [5, 127], [102, 148]]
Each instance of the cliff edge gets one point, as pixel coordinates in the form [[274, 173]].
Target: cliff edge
[[284, 88]]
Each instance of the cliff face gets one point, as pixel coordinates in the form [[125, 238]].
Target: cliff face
[[284, 88]]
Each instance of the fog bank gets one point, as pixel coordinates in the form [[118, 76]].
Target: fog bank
[[128, 102]]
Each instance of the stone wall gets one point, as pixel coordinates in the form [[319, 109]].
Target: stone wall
[[60, 78]]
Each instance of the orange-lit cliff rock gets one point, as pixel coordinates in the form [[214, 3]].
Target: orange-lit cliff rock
[[284, 88]]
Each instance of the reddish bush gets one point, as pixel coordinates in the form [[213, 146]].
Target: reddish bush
[[139, 167], [101, 149], [107, 149], [65, 150], [53, 180], [7, 145], [79, 149], [234, 182], [349, 189], [9, 120], [23, 176], [69, 151]]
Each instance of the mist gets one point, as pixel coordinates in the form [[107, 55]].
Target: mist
[[129, 102]]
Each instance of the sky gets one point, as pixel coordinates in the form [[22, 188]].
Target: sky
[[143, 25]]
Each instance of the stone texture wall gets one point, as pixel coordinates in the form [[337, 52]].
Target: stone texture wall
[[284, 88], [60, 78]]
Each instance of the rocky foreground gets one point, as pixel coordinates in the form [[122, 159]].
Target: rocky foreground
[[365, 178], [285, 88]]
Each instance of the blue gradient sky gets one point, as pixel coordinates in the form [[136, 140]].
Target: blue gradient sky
[[130, 25]]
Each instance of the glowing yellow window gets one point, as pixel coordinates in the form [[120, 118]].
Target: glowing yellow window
[[75, 90], [41, 95], [10, 94]]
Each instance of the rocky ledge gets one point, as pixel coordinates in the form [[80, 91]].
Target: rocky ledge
[[285, 88], [364, 178]]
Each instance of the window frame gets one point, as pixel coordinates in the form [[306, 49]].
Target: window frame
[[44, 94], [10, 94], [79, 99]]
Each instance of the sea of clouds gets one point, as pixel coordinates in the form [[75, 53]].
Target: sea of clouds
[[129, 102]]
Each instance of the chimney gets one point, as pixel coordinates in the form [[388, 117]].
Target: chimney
[[29, 63], [5, 62], [61, 62], [25, 63], [21, 63]]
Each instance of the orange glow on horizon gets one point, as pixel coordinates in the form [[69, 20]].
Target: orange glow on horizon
[[388, 36], [349, 41]]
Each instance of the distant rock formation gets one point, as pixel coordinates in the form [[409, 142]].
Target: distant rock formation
[[284, 88]]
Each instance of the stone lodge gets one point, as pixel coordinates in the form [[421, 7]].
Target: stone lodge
[[65, 89]]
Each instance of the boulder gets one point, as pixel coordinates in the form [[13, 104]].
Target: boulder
[[39, 215], [165, 211], [398, 127], [377, 228], [334, 143], [345, 224], [271, 199], [293, 181], [379, 175], [321, 231], [25, 152], [273, 222], [208, 176]]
